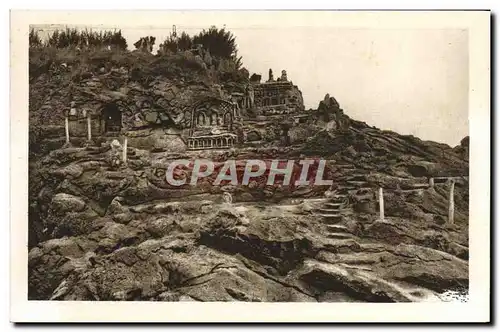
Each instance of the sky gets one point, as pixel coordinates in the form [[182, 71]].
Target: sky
[[412, 81]]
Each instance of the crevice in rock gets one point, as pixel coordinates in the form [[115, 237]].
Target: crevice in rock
[[283, 256], [324, 282], [267, 276]]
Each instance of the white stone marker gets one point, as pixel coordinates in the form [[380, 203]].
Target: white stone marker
[[451, 207], [89, 128], [125, 150], [66, 127], [381, 202]]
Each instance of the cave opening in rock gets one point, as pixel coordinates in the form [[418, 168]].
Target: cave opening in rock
[[112, 118]]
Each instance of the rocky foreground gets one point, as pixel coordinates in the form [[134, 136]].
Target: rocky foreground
[[100, 233]]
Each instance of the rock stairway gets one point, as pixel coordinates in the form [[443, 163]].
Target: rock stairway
[[337, 228], [331, 214], [351, 179], [340, 236], [346, 188]]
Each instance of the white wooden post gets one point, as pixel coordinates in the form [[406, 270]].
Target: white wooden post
[[431, 182], [381, 202], [125, 150], [89, 128], [66, 128], [451, 206]]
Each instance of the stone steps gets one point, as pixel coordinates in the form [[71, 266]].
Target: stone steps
[[338, 200], [339, 236], [332, 210], [325, 210], [341, 201], [333, 205], [338, 196], [358, 184], [329, 214], [332, 220], [346, 187], [337, 228]]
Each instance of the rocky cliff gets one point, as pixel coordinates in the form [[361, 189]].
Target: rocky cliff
[[101, 233], [106, 231]]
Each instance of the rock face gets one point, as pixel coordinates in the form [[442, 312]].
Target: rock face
[[147, 90], [106, 233], [184, 251], [105, 229]]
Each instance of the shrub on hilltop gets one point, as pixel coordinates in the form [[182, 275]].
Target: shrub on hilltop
[[83, 38], [174, 44]]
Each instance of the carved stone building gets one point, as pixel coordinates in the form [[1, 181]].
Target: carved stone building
[[278, 96], [212, 124]]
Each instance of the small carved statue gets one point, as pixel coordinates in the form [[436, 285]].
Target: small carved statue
[[227, 197], [284, 76], [114, 155], [72, 110], [271, 77]]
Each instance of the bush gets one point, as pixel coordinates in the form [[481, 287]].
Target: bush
[[219, 42], [34, 39], [83, 39], [174, 44]]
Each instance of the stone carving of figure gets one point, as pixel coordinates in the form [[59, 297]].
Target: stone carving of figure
[[271, 77], [283, 75], [137, 120], [219, 91], [235, 104], [250, 96], [72, 110], [114, 155], [227, 197]]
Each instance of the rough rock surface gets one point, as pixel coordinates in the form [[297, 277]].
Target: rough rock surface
[[104, 230], [205, 251], [125, 234]]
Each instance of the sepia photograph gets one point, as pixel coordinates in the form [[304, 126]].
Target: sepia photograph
[[225, 159]]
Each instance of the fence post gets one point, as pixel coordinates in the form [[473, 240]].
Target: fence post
[[66, 128], [125, 150], [89, 126], [451, 206], [381, 203], [431, 182]]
